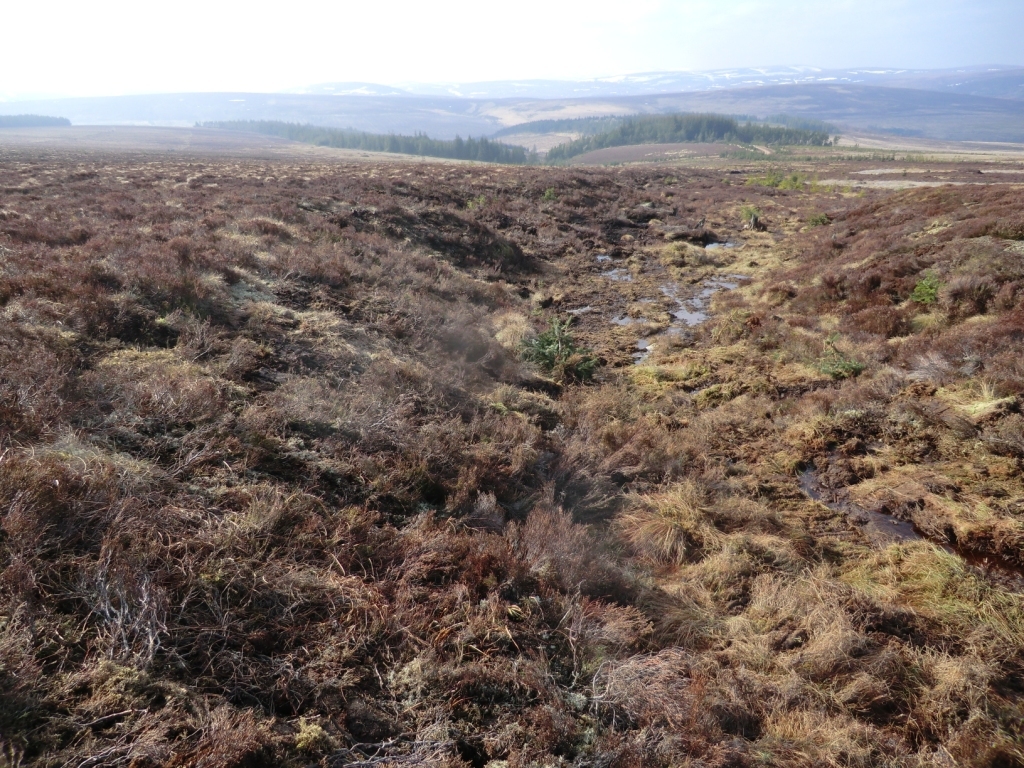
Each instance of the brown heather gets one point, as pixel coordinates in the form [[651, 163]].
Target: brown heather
[[276, 488]]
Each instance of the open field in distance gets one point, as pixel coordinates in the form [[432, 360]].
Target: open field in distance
[[188, 142]]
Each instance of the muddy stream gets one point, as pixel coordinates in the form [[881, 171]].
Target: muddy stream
[[692, 302], [692, 308], [883, 529]]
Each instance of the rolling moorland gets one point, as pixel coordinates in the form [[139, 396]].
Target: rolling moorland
[[380, 462], [945, 114]]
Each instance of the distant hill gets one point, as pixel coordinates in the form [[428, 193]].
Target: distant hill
[[992, 82], [930, 114], [998, 82], [349, 89], [32, 121], [440, 117], [938, 114]]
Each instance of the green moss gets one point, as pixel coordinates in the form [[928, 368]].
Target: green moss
[[312, 738]]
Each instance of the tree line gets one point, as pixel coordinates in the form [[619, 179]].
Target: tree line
[[590, 126], [32, 121], [705, 128], [420, 144]]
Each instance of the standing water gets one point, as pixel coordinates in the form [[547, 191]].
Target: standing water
[[689, 312]]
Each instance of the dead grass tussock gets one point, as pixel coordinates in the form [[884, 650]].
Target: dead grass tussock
[[806, 739], [159, 386], [940, 586], [673, 526], [512, 329], [637, 691]]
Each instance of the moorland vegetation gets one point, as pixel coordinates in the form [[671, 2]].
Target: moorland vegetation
[[302, 463]]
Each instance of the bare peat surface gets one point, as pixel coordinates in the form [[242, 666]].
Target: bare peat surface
[[879, 527], [301, 465], [883, 526]]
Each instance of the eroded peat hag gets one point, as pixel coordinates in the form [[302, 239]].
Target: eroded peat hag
[[278, 486], [880, 528], [887, 524]]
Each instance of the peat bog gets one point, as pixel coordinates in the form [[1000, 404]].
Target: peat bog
[[277, 486]]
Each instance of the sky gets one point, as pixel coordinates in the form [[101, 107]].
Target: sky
[[113, 47]]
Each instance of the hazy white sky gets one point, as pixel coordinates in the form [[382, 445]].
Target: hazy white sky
[[106, 47]]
